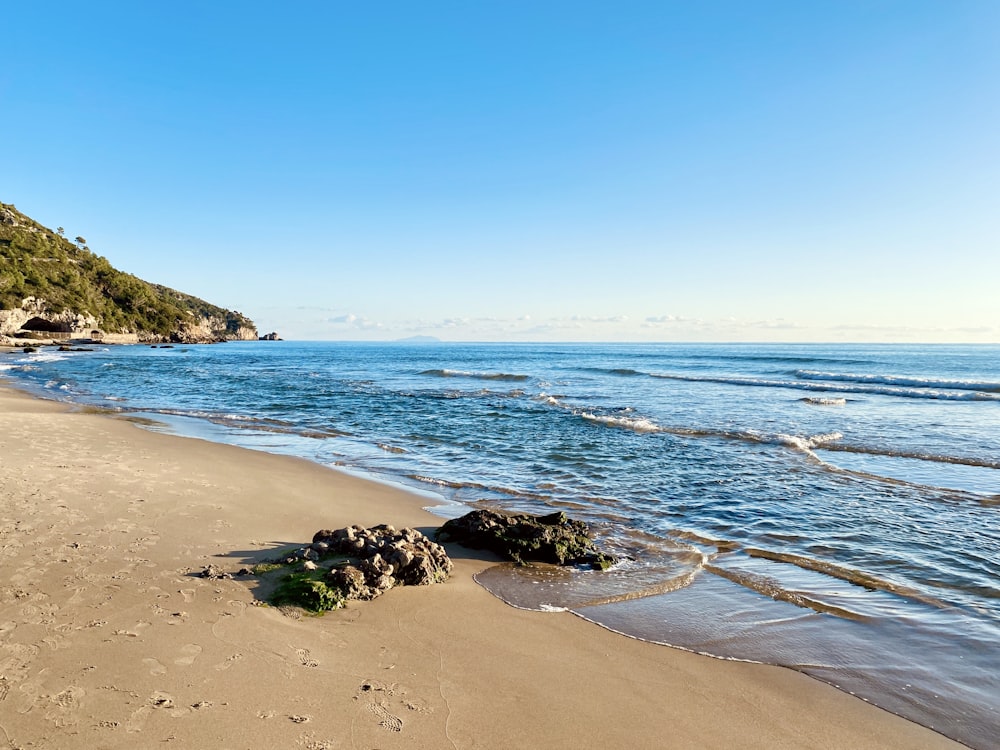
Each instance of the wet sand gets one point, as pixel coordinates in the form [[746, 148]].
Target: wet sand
[[110, 639]]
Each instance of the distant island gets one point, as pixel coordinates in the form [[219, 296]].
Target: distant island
[[52, 289]]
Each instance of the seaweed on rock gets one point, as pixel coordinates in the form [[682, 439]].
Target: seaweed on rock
[[521, 537]]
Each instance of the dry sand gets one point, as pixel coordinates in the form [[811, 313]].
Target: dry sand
[[109, 639]]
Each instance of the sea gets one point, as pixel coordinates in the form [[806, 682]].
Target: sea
[[834, 509]]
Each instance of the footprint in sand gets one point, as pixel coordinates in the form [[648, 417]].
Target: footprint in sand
[[158, 701], [66, 707], [305, 658], [56, 641], [419, 705], [77, 595], [309, 741], [16, 659], [221, 666], [386, 720], [155, 668], [375, 693], [31, 695], [188, 594], [190, 652], [136, 629]]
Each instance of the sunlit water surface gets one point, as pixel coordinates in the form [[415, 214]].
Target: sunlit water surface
[[828, 508]]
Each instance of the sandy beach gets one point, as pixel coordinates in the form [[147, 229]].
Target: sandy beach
[[110, 639]]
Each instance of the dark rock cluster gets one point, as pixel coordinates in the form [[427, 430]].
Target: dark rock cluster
[[381, 557], [358, 563], [215, 574], [553, 538]]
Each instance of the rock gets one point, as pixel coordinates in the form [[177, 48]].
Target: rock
[[214, 573], [553, 538], [381, 557], [350, 580], [378, 559]]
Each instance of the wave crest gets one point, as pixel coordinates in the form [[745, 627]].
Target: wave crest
[[635, 424], [503, 376], [901, 381]]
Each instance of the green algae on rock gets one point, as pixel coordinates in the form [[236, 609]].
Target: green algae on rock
[[521, 537]]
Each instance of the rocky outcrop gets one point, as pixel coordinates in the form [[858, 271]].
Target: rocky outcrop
[[524, 538], [34, 309], [211, 329], [271, 337], [356, 563], [34, 320], [49, 285], [384, 558]]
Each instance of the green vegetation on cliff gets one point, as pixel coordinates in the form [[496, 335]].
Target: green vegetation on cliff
[[38, 262]]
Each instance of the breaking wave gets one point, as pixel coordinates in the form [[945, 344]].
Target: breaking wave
[[918, 455], [868, 387], [815, 401], [900, 381], [502, 376], [635, 424]]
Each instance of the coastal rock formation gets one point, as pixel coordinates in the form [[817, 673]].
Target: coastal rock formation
[[386, 558], [54, 290], [272, 336], [209, 329], [522, 537], [356, 563]]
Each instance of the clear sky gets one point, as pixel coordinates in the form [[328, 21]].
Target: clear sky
[[702, 170]]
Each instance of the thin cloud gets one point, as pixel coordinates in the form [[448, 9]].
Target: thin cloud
[[350, 320]]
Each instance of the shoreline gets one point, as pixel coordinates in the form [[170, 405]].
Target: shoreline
[[108, 638]]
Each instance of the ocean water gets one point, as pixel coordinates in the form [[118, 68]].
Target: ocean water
[[830, 508]]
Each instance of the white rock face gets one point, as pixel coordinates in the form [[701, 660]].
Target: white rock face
[[14, 319], [201, 330]]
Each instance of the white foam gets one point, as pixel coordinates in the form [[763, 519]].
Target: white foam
[[825, 401], [447, 373], [798, 442], [827, 437], [46, 357], [635, 424]]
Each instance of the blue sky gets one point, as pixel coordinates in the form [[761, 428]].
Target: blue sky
[[664, 171]]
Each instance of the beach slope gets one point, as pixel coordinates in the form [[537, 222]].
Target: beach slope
[[109, 638]]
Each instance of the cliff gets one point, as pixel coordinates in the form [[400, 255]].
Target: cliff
[[51, 288]]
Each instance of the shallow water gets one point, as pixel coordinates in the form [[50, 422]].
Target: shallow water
[[830, 508]]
